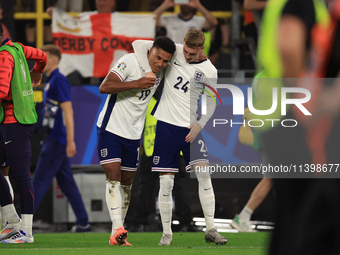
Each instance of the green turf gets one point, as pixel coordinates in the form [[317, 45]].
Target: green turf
[[143, 244]]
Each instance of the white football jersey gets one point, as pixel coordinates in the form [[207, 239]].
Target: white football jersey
[[124, 113], [176, 27], [182, 89]]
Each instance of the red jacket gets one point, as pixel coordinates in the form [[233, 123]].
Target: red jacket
[[6, 72]]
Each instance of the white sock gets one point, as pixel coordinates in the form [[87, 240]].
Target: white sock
[[125, 192], [10, 187], [114, 203], [3, 217], [207, 198], [166, 183], [246, 213], [27, 221], [10, 213], [2, 220]]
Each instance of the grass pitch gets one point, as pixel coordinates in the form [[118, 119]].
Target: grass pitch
[[143, 244]]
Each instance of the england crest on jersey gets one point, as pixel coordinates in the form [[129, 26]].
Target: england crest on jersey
[[156, 159], [157, 80], [198, 77], [103, 152]]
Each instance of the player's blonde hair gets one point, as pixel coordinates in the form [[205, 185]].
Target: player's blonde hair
[[194, 38], [52, 49]]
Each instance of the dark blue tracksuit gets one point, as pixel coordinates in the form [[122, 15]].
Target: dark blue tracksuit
[[53, 161]]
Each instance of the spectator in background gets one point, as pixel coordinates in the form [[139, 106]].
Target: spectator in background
[[29, 6], [102, 6], [220, 35], [7, 18], [18, 118], [255, 9], [5, 30], [74, 5], [59, 146], [121, 5], [178, 24]]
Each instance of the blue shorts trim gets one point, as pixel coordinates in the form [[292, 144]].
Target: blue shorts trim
[[107, 161], [158, 169], [192, 163]]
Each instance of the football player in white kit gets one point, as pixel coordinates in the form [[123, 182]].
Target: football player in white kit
[[120, 125], [178, 128]]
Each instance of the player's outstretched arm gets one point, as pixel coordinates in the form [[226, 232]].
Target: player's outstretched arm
[[113, 85], [162, 8], [210, 20], [141, 48]]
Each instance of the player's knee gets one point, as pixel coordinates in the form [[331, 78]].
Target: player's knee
[[23, 180], [202, 175], [127, 177], [166, 181], [112, 171]]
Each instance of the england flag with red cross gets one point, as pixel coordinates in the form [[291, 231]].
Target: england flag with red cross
[[93, 42]]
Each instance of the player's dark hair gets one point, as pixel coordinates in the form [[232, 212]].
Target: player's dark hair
[[165, 43], [1, 30]]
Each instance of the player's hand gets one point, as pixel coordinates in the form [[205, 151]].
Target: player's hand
[[71, 149], [201, 57], [246, 135], [36, 78], [49, 10], [247, 114], [195, 128], [145, 83], [150, 75], [194, 4]]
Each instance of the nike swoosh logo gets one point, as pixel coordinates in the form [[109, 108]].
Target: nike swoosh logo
[[114, 208], [8, 142], [176, 64], [207, 189], [166, 195]]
